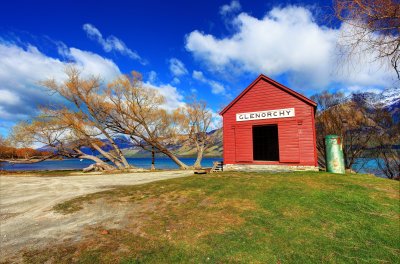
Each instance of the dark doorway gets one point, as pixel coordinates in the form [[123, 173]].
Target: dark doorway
[[265, 143]]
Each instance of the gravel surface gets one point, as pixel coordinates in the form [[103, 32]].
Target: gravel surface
[[26, 215]]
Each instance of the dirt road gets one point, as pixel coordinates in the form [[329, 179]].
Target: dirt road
[[26, 215]]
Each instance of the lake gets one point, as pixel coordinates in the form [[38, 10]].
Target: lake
[[76, 164], [161, 163]]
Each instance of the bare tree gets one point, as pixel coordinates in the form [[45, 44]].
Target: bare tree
[[374, 29], [347, 119], [84, 131], [86, 94], [195, 119], [326, 99], [386, 143], [137, 112], [62, 140]]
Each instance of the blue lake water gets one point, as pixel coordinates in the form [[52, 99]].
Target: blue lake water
[[161, 163], [368, 165], [71, 164]]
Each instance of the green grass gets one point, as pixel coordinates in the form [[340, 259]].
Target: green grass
[[304, 217]]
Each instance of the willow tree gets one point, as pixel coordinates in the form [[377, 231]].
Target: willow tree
[[195, 119], [84, 131], [137, 111], [89, 107], [60, 138]]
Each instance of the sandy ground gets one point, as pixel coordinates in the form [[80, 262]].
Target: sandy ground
[[26, 216]]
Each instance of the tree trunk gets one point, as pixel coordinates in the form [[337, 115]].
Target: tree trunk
[[200, 152], [79, 155], [165, 151], [160, 148], [174, 158], [119, 152], [110, 139], [27, 161], [96, 167], [98, 161], [95, 159], [153, 167], [109, 157], [117, 149]]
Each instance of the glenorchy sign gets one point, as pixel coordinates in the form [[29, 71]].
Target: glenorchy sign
[[278, 113]]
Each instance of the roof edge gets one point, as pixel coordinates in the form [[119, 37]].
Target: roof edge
[[275, 83]]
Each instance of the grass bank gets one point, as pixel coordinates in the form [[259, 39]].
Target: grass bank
[[304, 217]]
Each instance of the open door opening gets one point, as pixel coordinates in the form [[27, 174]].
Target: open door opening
[[265, 143]]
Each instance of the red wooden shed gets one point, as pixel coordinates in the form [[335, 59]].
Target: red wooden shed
[[269, 126]]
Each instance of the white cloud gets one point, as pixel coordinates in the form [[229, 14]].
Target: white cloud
[[175, 81], [286, 40], [216, 120], [8, 97], [111, 43], [198, 75], [94, 64], [22, 68], [152, 76], [173, 98], [234, 6], [360, 89], [216, 87], [177, 67]]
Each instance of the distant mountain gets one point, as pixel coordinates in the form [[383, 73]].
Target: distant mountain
[[389, 99], [121, 141], [183, 147]]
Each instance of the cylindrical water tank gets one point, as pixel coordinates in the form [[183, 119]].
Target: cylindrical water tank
[[334, 154]]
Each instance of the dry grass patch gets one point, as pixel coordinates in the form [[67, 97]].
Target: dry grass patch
[[148, 218], [297, 212]]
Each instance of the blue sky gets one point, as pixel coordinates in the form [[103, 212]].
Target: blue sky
[[211, 48]]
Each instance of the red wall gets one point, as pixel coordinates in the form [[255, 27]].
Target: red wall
[[296, 135]]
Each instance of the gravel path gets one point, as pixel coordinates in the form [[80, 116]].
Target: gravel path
[[26, 215]]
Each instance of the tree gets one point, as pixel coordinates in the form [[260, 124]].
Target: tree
[[368, 132], [6, 151], [84, 130], [58, 136], [195, 119], [374, 29], [348, 119], [25, 153], [136, 111], [386, 144], [90, 113]]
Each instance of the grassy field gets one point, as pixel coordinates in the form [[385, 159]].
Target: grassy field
[[229, 217]]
